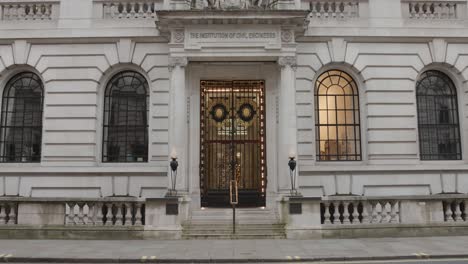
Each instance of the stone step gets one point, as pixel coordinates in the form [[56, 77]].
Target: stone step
[[224, 231], [231, 236], [205, 226]]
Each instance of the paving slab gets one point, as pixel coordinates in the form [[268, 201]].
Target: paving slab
[[231, 251]]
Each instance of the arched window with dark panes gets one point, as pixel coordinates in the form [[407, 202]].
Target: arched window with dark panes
[[126, 119], [438, 124], [337, 125], [21, 119]]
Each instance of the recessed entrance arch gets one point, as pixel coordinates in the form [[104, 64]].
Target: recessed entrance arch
[[232, 142]]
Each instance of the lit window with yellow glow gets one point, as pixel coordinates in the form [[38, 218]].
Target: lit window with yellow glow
[[337, 125]]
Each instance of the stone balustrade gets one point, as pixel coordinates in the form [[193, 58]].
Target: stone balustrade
[[433, 9], [118, 9], [8, 212], [455, 210], [360, 212], [104, 213], [34, 10], [334, 9]]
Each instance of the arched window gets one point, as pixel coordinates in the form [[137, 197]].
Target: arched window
[[21, 121], [337, 118], [126, 119], [439, 133]]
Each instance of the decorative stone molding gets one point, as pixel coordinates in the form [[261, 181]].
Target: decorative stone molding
[[178, 36], [287, 35], [233, 4], [177, 61], [287, 61]]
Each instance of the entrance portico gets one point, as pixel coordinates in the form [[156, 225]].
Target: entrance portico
[[228, 48]]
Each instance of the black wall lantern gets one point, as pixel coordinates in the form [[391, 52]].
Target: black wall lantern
[[292, 172], [173, 164]]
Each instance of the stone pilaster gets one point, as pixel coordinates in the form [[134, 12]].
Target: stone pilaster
[[287, 139], [178, 119]]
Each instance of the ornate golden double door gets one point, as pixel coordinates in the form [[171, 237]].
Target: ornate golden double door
[[232, 142]]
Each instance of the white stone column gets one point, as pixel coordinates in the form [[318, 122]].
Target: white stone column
[[287, 134], [178, 119]]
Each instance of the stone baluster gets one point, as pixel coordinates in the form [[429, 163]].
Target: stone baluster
[[374, 214], [422, 12], [333, 9], [448, 212], [13, 12], [68, 213], [388, 211], [141, 13], [106, 8], [12, 214], [452, 10], [465, 211], [365, 212], [109, 220], [438, 9], [313, 9], [356, 213], [346, 213], [33, 10], [5, 9], [118, 215], [128, 214], [29, 12], [88, 213], [79, 216], [121, 9], [393, 213], [457, 213], [412, 11], [149, 12], [132, 10], [427, 13], [48, 12], [321, 9], [97, 215], [74, 213], [153, 11], [346, 9], [41, 11], [382, 212], [21, 11], [138, 215], [336, 213], [326, 213], [385, 213], [114, 11], [3, 216]]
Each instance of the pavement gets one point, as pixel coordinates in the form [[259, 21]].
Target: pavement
[[235, 251]]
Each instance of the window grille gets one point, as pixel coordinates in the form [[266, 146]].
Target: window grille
[[338, 135], [21, 119], [126, 119], [439, 132]]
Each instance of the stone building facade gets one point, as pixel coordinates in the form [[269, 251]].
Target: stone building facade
[[367, 96]]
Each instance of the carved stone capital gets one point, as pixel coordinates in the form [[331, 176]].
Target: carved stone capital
[[177, 61], [287, 61]]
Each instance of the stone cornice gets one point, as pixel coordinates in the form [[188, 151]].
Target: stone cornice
[[291, 18]]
